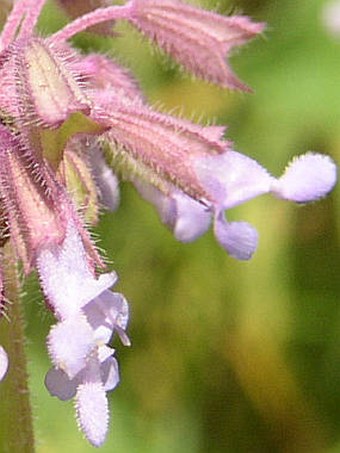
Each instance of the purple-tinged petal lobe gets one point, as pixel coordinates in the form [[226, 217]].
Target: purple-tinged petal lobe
[[70, 342], [3, 363], [92, 411], [307, 178], [107, 312], [192, 218], [165, 204], [239, 239], [231, 178], [60, 385], [109, 373], [187, 218]]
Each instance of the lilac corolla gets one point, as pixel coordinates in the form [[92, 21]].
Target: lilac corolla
[[192, 175], [230, 180], [88, 314]]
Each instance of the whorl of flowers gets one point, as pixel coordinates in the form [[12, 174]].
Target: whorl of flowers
[[61, 112]]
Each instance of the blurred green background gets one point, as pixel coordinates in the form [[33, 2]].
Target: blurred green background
[[226, 356]]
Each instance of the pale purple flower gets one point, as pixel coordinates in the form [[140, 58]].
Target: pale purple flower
[[88, 313], [230, 179], [68, 262]]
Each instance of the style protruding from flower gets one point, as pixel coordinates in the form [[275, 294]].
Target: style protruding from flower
[[73, 125]]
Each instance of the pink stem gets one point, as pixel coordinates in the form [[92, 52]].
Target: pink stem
[[13, 22], [33, 10], [21, 21], [94, 17]]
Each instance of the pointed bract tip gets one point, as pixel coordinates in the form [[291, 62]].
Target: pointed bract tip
[[197, 39]]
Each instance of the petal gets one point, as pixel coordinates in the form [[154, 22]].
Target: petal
[[97, 315], [192, 218], [106, 313], [69, 264], [239, 239], [109, 373], [187, 218], [104, 352], [92, 412], [164, 204], [307, 178], [70, 342], [232, 178], [58, 384], [3, 363]]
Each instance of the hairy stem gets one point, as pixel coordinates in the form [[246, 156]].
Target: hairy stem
[[16, 428], [95, 17]]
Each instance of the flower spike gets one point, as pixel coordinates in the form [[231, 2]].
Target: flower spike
[[71, 125]]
